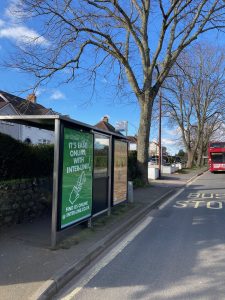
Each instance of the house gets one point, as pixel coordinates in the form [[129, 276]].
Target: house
[[14, 105], [153, 146], [132, 142], [105, 125], [154, 149]]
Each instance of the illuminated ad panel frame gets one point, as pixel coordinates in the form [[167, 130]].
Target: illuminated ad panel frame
[[76, 176]]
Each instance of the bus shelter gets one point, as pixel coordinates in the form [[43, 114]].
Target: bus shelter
[[90, 169]]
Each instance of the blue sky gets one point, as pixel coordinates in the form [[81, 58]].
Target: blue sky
[[73, 99], [70, 99]]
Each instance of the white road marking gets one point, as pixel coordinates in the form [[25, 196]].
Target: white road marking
[[105, 260], [177, 193], [199, 203], [171, 199]]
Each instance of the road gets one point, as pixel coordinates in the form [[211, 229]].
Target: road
[[177, 252]]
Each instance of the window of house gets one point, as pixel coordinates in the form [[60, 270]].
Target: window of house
[[44, 141], [27, 141], [7, 123]]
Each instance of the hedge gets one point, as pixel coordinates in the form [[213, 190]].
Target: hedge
[[20, 160], [133, 172]]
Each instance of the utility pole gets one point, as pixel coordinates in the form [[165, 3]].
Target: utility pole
[[126, 128], [160, 131]]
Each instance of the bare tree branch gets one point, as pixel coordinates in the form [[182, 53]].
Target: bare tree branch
[[120, 31]]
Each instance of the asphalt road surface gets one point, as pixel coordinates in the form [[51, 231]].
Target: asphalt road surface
[[178, 252]]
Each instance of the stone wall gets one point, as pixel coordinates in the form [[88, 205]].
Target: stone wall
[[23, 201]]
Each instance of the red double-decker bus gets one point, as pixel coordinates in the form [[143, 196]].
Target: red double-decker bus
[[216, 156]]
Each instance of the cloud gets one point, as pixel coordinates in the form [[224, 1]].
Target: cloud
[[166, 141], [14, 10], [12, 28], [1, 23], [56, 95], [22, 34], [176, 131]]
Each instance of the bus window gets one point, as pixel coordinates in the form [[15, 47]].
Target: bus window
[[217, 145], [217, 157]]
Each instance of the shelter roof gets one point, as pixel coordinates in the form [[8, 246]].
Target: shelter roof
[[48, 122]]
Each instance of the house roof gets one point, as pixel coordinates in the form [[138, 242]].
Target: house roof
[[107, 126], [22, 106], [132, 139], [2, 104]]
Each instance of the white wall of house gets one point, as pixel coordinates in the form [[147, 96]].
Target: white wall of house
[[132, 146], [153, 149], [37, 136], [12, 129]]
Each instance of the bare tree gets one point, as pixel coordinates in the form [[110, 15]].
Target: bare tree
[[213, 127], [197, 92], [139, 39], [179, 106]]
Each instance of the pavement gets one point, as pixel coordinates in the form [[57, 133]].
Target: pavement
[[30, 269]]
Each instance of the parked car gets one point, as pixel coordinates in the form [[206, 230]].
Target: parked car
[[153, 161], [177, 159]]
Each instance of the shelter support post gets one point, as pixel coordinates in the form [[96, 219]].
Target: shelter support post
[[55, 184], [110, 168]]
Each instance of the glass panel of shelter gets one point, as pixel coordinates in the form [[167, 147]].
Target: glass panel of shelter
[[101, 156], [101, 173]]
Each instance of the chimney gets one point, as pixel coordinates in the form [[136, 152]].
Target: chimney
[[32, 98], [105, 119]]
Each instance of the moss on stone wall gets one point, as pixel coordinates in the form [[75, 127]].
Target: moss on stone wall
[[23, 201]]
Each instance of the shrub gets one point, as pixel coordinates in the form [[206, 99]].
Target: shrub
[[133, 171], [20, 160], [43, 156]]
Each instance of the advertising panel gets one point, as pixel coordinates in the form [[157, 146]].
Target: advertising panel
[[120, 172], [77, 169]]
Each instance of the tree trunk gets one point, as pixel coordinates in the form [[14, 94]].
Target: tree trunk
[[190, 155], [200, 153], [143, 137]]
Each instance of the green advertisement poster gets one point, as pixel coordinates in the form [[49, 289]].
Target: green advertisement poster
[[76, 176]]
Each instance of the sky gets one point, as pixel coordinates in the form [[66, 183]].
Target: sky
[[73, 99]]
